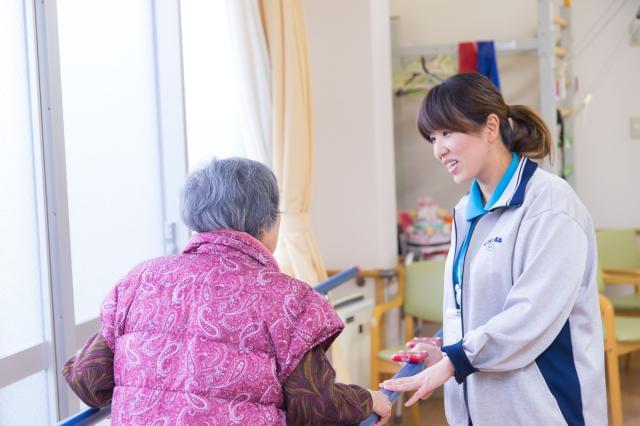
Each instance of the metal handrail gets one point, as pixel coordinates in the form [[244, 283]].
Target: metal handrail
[[87, 417], [408, 369], [91, 415]]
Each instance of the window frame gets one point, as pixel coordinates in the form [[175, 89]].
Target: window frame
[[62, 336]]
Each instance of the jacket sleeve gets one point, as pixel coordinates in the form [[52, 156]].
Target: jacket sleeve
[[313, 398], [551, 251], [89, 372]]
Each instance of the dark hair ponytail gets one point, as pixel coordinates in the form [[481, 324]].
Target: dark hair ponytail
[[530, 136], [463, 102]]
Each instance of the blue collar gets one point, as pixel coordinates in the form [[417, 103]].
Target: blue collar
[[475, 207]]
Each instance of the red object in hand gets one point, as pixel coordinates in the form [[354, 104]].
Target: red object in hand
[[434, 341], [412, 357]]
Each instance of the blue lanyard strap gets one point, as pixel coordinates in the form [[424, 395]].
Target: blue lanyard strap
[[458, 266]]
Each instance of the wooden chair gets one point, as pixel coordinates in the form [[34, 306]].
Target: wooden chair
[[621, 336], [619, 263], [381, 278], [420, 294]]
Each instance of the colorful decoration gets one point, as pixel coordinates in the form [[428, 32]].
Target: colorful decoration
[[425, 230]]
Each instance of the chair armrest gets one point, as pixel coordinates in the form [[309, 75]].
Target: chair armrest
[[611, 276], [608, 319], [376, 322], [380, 310], [618, 271]]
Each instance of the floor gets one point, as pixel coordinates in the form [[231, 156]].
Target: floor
[[432, 410]]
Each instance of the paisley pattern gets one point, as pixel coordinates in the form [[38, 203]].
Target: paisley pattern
[[209, 336], [311, 394]]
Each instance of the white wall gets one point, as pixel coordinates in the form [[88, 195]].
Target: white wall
[[353, 201], [606, 157]]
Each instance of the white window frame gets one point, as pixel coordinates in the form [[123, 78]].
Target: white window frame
[[61, 335]]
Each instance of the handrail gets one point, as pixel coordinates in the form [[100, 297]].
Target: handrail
[[334, 281], [87, 417], [91, 415], [408, 369]]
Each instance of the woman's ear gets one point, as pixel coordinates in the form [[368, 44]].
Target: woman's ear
[[492, 127]]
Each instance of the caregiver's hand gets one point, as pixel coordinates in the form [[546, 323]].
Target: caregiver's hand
[[423, 383]]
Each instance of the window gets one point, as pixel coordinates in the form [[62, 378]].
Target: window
[[24, 278], [209, 82], [24, 402], [92, 158], [85, 199], [112, 148]]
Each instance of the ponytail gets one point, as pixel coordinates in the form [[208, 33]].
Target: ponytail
[[530, 136], [463, 102]]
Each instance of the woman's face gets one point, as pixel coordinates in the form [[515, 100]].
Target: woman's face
[[463, 155]]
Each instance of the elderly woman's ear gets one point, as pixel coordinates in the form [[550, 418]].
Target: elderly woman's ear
[[269, 237]]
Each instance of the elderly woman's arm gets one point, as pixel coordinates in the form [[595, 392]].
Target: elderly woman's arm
[[89, 372], [313, 398]]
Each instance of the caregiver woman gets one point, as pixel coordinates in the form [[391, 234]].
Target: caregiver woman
[[522, 329]]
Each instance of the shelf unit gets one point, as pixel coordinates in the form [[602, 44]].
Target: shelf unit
[[552, 45]]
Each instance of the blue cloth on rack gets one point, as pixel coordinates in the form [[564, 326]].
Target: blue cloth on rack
[[487, 64]]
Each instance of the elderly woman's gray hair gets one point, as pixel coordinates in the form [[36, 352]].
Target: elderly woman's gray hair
[[234, 193]]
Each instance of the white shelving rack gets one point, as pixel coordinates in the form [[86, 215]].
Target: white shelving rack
[[552, 45]]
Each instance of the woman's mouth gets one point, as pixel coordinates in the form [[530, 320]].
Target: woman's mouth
[[451, 165]]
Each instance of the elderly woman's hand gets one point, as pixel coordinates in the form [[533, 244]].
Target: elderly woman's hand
[[424, 383], [381, 406]]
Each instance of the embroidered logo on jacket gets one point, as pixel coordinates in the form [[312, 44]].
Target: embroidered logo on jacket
[[490, 244]]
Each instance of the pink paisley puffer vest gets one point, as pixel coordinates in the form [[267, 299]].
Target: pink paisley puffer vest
[[209, 336]]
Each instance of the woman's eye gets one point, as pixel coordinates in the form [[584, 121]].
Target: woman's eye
[[431, 139], [445, 133]]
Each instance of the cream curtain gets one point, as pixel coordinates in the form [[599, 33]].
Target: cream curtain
[[292, 138]]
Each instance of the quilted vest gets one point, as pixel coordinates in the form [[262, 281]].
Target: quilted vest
[[210, 335]]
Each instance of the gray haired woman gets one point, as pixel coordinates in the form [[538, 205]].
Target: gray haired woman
[[217, 331]]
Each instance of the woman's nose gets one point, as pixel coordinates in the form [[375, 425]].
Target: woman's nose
[[439, 150]]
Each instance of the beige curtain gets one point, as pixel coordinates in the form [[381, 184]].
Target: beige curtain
[[292, 146], [292, 138]]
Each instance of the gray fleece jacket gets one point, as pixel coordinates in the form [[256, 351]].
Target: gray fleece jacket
[[531, 351]]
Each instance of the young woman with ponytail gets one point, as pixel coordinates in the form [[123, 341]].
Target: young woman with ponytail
[[522, 330]]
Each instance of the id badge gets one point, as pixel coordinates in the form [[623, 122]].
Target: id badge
[[452, 326]]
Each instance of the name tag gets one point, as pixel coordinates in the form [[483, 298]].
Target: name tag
[[452, 326]]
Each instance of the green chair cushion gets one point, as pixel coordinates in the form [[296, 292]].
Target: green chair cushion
[[386, 353], [628, 329]]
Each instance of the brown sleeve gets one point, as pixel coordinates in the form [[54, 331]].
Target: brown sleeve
[[89, 372], [313, 398]]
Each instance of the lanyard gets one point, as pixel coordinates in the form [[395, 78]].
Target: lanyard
[[458, 265]]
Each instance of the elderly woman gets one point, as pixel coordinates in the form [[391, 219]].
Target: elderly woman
[[217, 334]]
